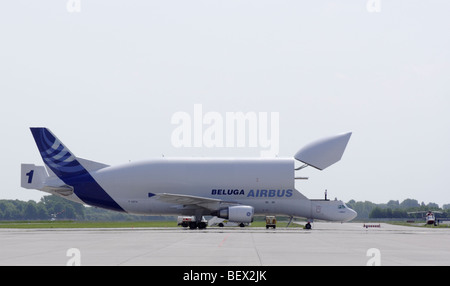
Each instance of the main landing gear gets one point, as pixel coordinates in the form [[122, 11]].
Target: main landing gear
[[199, 225], [193, 222]]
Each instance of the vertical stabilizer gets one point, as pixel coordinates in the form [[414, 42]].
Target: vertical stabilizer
[[55, 155], [68, 168]]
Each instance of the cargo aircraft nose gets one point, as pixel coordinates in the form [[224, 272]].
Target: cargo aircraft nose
[[345, 213], [350, 214]]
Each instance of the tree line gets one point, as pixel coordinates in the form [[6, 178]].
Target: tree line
[[395, 209], [54, 207]]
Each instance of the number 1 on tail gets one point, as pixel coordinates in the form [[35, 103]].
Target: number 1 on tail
[[30, 176]]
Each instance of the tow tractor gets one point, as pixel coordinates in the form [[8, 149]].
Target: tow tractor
[[271, 221]]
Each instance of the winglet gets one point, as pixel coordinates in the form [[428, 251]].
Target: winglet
[[325, 152]]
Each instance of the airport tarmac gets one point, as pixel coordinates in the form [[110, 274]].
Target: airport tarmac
[[325, 244]]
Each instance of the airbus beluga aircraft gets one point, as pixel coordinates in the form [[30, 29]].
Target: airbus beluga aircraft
[[235, 189]]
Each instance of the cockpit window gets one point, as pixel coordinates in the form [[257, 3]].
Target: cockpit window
[[341, 207]]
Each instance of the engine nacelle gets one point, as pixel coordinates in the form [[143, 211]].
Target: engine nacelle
[[237, 214]]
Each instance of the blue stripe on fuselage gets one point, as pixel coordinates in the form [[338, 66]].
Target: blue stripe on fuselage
[[90, 192]]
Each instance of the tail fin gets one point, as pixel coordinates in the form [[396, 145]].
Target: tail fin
[[32, 176], [58, 157], [73, 171]]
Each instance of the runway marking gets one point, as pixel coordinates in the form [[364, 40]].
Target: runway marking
[[223, 241], [257, 251]]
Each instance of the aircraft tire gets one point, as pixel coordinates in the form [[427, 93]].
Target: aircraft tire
[[192, 225]]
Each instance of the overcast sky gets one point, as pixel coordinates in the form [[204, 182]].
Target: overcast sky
[[108, 79]]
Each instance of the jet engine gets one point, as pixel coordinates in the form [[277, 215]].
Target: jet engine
[[242, 214]]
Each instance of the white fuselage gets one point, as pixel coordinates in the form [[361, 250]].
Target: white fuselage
[[266, 184]]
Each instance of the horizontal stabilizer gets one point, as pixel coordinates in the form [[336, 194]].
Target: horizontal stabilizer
[[64, 190], [325, 152], [32, 176]]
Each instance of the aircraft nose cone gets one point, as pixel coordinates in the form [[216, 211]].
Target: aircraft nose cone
[[351, 215]]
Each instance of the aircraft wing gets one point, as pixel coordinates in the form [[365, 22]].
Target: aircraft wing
[[187, 200]]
